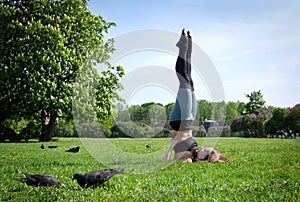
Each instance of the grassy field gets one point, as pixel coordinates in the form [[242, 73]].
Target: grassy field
[[259, 170]]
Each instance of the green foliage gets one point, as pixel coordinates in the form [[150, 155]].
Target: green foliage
[[65, 128], [93, 94], [32, 129], [163, 133], [220, 131], [276, 123], [136, 113], [255, 120], [147, 112], [154, 111], [231, 112], [122, 113], [284, 122], [219, 111], [19, 129], [259, 170], [200, 132], [95, 129], [204, 111], [251, 124], [255, 103], [6, 133], [169, 107], [43, 45], [147, 120], [292, 120], [132, 129], [106, 91], [241, 108], [16, 125]]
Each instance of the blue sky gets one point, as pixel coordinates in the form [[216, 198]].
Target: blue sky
[[254, 44]]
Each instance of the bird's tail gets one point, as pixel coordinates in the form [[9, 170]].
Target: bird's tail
[[24, 180]]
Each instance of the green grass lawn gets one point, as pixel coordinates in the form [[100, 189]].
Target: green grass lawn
[[259, 170]]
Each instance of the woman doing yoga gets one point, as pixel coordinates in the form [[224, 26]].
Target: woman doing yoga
[[185, 108]]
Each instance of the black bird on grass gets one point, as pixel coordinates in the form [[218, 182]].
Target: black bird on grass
[[148, 146], [95, 178], [39, 180], [42, 146], [74, 150]]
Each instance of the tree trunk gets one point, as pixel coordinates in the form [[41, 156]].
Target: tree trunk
[[48, 126]]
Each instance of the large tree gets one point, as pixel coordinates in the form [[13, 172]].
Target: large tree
[[43, 45], [255, 103]]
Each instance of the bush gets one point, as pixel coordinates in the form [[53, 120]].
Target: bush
[[16, 130], [238, 134], [226, 132], [292, 120], [284, 122], [7, 133], [32, 130], [165, 132], [65, 128], [92, 130], [199, 132], [215, 131], [132, 129], [251, 124]]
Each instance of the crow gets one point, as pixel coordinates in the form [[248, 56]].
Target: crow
[[74, 150], [42, 146], [95, 178], [148, 146], [39, 180]]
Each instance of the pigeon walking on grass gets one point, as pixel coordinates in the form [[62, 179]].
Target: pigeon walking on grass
[[95, 178], [39, 180], [74, 150]]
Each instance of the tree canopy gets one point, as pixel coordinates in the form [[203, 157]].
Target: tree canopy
[[43, 46], [255, 103]]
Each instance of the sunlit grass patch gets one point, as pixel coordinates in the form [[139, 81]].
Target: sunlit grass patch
[[259, 170]]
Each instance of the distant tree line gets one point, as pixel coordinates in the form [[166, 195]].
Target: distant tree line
[[260, 121], [234, 119]]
